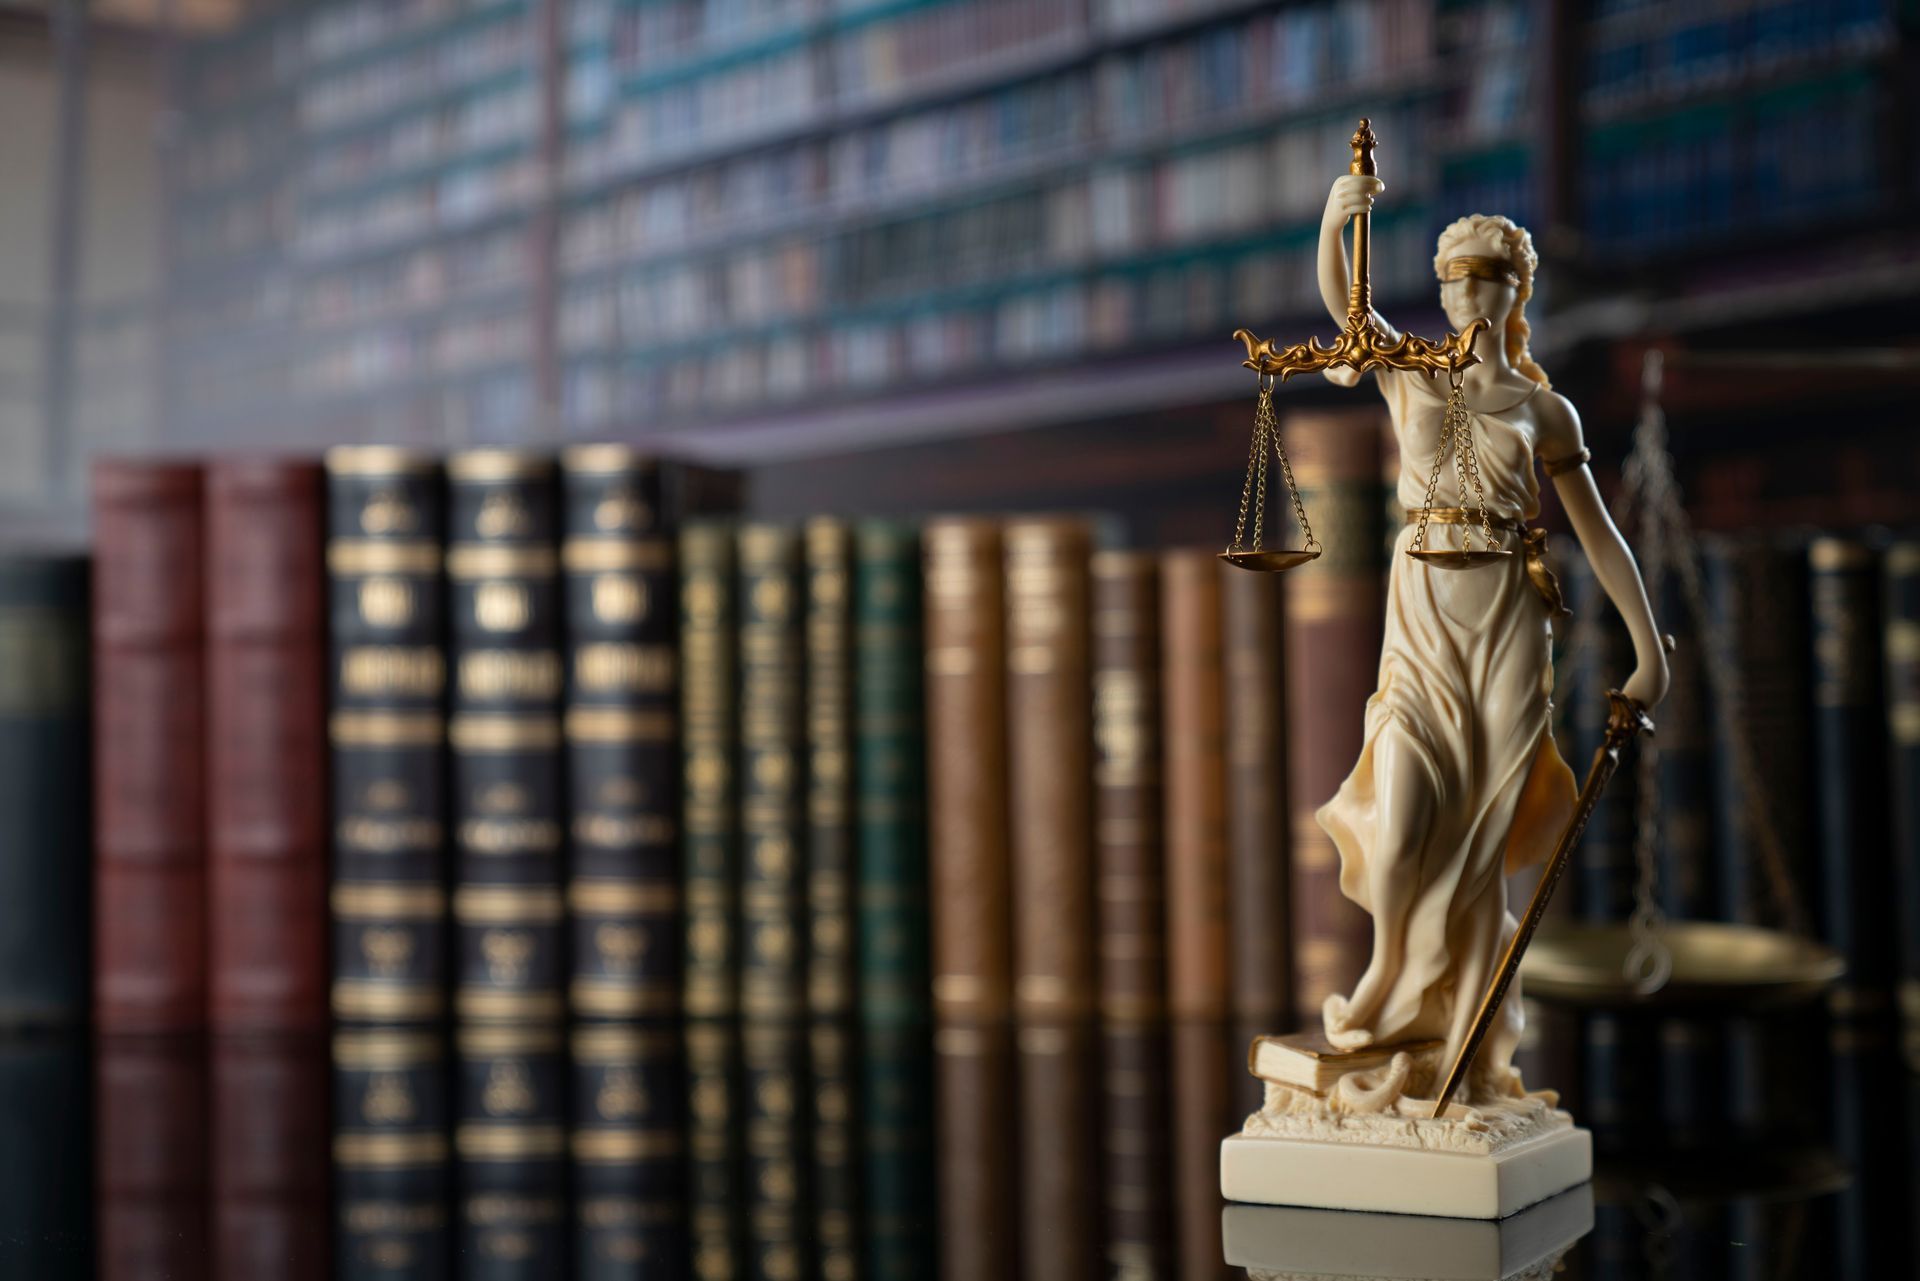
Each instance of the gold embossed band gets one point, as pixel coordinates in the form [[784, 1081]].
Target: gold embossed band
[[387, 729], [500, 560], [384, 901], [508, 904], [375, 1000], [354, 556], [504, 733], [385, 1049], [583, 555], [494, 1142], [379, 1149]]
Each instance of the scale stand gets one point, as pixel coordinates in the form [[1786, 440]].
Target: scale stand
[[1362, 346]]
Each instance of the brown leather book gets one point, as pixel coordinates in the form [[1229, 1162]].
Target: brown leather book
[[1194, 731], [1049, 802], [269, 1157], [149, 916], [967, 776], [266, 746], [1050, 809], [1256, 771], [1335, 610], [971, 877], [150, 1156]]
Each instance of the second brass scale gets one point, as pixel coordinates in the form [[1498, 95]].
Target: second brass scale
[[1363, 346]]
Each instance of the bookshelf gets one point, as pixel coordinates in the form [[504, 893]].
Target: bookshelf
[[448, 221]]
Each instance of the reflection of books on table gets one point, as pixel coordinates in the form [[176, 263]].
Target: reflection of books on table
[[1301, 1243]]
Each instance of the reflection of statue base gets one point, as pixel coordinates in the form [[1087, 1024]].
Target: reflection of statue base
[[1352, 1130], [1275, 1242]]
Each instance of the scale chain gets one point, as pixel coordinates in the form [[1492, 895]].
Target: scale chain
[[1263, 427], [1293, 491], [1254, 451]]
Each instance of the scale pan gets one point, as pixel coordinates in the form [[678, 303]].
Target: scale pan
[[1459, 557], [1268, 562], [1715, 967]]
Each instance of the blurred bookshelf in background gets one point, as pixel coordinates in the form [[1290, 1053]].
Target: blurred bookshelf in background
[[759, 229]]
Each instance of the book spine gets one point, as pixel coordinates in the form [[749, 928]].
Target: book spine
[[629, 1151], [1130, 920], [149, 901], [773, 839], [1253, 688], [391, 1161], [510, 1150], [269, 1155], [505, 731], [386, 533], [1050, 808], [1198, 960], [1201, 1071], [890, 798], [1757, 600], [971, 879], [710, 831], [1901, 646], [150, 1155], [831, 873], [44, 801], [970, 861], [710, 855], [266, 747], [773, 871], [831, 867], [1336, 614], [623, 751], [1850, 776]]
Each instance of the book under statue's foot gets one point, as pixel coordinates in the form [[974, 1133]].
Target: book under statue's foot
[[1406, 1099]]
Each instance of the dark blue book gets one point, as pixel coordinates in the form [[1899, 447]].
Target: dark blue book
[[629, 1151], [510, 1151], [1900, 643], [45, 814], [1859, 916]]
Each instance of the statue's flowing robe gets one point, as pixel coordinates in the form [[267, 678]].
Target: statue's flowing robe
[[1459, 782]]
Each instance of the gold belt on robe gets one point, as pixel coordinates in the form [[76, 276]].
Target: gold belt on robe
[[1533, 545]]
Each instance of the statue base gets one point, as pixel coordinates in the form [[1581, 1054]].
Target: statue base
[[1350, 1130], [1274, 1242]]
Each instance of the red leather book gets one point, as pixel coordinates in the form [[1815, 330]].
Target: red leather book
[[266, 746], [268, 1171], [149, 915]]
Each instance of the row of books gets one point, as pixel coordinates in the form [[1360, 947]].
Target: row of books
[[1640, 54], [1771, 159], [1181, 297]]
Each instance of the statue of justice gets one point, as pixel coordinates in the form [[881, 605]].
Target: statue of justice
[[1458, 783]]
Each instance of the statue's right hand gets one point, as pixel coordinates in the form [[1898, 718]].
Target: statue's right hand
[[1352, 194]]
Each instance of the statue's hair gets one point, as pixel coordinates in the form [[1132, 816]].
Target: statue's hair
[[1520, 253]]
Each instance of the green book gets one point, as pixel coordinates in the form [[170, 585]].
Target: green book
[[896, 1092], [709, 831]]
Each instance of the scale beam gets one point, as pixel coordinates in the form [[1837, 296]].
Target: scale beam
[[1362, 345]]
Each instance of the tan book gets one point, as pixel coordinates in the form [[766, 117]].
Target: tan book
[[1304, 1059]]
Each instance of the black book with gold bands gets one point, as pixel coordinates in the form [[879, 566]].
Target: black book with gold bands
[[387, 611], [508, 805], [391, 1159]]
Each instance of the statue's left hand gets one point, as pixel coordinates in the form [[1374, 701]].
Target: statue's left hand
[[1648, 684]]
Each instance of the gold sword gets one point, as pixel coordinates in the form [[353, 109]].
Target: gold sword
[[1626, 721]]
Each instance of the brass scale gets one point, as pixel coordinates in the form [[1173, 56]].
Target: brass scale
[[1360, 347]]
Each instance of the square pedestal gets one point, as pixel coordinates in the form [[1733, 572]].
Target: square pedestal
[[1294, 1242], [1359, 1176]]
